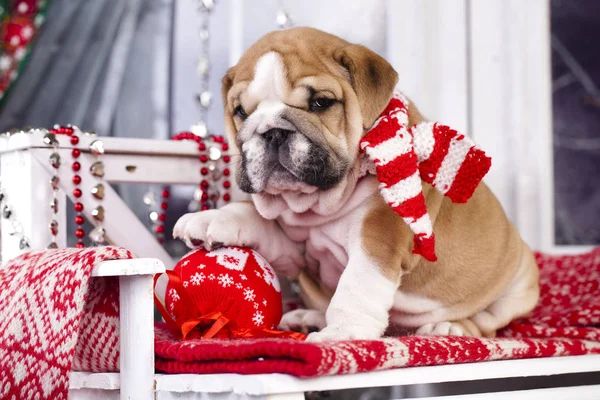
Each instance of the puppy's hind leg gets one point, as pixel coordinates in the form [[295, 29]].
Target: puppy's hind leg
[[519, 298]]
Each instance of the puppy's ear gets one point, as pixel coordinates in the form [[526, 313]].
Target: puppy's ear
[[372, 78], [226, 84]]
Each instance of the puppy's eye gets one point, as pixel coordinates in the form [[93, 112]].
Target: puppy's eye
[[320, 104], [239, 111]]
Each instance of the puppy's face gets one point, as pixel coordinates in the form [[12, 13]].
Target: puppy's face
[[296, 107]]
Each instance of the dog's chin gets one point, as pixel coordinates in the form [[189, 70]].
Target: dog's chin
[[284, 181]]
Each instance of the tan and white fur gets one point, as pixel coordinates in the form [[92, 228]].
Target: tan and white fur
[[296, 106]]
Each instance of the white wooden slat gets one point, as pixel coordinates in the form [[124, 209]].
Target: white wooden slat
[[426, 44], [122, 226], [263, 384], [26, 186], [136, 340], [134, 266], [510, 114], [112, 145]]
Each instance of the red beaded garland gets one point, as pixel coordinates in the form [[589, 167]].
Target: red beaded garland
[[159, 227], [77, 192]]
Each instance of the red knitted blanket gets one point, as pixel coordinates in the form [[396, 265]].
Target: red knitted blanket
[[54, 318], [566, 322]]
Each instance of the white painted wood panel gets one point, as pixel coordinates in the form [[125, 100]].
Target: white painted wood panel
[[510, 115], [426, 44]]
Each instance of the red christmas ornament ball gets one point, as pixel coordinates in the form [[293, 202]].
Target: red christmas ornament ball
[[235, 281]]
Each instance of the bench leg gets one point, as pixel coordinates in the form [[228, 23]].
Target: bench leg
[[136, 337]]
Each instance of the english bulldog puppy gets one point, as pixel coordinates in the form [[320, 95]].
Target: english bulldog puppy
[[296, 106]]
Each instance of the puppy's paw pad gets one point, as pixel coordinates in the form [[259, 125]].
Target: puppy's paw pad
[[444, 328], [304, 321]]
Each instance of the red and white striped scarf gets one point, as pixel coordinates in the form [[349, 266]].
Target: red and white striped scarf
[[435, 153]]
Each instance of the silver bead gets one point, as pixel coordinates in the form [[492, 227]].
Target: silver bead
[[193, 206], [283, 19], [98, 191], [203, 66], [214, 153], [54, 205], [55, 160], [198, 194], [6, 212], [98, 213], [97, 235], [54, 181], [23, 244], [153, 216], [97, 169], [97, 147], [199, 129], [204, 34], [216, 174], [212, 167], [205, 99], [149, 199], [50, 139], [208, 5]]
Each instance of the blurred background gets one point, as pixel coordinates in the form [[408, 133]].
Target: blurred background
[[521, 77], [152, 68]]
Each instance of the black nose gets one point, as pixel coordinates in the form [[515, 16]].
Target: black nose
[[276, 136]]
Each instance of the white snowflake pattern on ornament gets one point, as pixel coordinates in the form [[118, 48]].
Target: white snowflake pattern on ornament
[[230, 258], [258, 273], [249, 295], [225, 280], [185, 263], [269, 275], [185, 284], [172, 307], [264, 302], [212, 277], [197, 278], [258, 318], [243, 277], [201, 266], [256, 305], [239, 285], [174, 295]]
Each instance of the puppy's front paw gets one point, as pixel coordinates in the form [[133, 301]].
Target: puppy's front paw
[[304, 321], [212, 229], [338, 332], [444, 328]]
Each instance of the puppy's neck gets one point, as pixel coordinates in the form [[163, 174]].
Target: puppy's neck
[[309, 208]]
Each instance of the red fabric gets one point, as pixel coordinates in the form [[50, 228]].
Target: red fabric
[[566, 322], [43, 312], [470, 173]]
